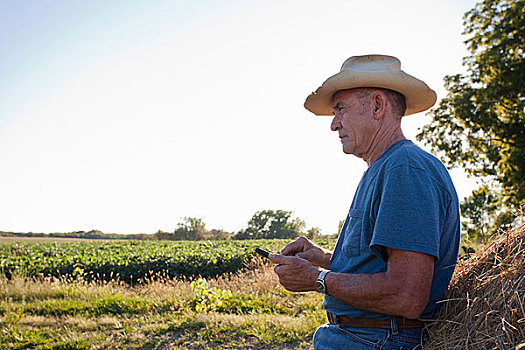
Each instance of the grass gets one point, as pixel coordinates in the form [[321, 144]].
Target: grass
[[238, 311]]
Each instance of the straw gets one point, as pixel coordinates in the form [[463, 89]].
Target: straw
[[484, 306]]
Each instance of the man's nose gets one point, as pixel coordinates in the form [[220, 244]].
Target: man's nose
[[336, 123]]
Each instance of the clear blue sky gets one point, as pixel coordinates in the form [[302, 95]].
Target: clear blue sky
[[125, 116]]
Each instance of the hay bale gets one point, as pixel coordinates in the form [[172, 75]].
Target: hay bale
[[484, 306]]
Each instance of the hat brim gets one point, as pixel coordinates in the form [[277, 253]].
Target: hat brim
[[418, 95]]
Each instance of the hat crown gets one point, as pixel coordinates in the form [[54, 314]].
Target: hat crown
[[372, 71], [371, 63]]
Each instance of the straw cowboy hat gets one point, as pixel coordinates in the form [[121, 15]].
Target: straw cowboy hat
[[372, 71]]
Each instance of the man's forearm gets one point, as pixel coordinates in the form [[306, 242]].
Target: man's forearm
[[371, 292], [403, 290]]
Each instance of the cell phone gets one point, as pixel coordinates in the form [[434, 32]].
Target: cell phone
[[262, 252]]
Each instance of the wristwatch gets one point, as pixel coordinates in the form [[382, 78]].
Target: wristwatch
[[320, 286]]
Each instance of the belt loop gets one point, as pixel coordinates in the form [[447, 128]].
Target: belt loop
[[393, 326]]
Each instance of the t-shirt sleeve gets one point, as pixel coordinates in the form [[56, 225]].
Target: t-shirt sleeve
[[408, 213]]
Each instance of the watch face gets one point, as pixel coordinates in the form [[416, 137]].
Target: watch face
[[319, 286]]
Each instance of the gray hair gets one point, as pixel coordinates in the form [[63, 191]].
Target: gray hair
[[396, 99]]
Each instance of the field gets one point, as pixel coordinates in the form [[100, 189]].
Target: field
[[149, 295]]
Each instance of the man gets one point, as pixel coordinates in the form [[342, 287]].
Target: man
[[398, 247]]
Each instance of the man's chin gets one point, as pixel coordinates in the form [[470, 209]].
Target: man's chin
[[347, 150]]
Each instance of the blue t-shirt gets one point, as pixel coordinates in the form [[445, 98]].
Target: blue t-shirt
[[405, 200]]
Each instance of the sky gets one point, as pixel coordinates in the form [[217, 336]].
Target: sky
[[126, 116]]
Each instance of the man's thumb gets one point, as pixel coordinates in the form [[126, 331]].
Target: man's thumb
[[278, 258]]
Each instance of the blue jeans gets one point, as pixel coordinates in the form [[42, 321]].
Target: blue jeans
[[335, 337]]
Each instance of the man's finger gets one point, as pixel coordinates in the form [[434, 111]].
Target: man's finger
[[290, 249], [275, 258], [295, 246], [280, 259], [302, 255]]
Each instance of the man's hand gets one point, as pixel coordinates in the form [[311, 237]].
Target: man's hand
[[304, 248], [295, 274]]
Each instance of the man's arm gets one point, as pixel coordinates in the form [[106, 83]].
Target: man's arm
[[402, 290]]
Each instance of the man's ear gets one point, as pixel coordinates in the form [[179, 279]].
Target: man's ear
[[379, 107]]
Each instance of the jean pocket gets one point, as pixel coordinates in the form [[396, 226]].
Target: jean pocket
[[352, 235], [410, 339], [365, 336]]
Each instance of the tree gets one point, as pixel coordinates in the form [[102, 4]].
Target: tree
[[313, 233], [480, 124], [161, 235], [483, 215], [272, 224], [192, 229], [478, 210], [215, 234]]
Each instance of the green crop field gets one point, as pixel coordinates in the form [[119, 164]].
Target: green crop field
[[149, 295], [128, 261]]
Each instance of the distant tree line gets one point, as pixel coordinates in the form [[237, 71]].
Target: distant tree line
[[92, 234], [265, 224]]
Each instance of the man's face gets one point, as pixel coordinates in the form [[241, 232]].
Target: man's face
[[353, 120]]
